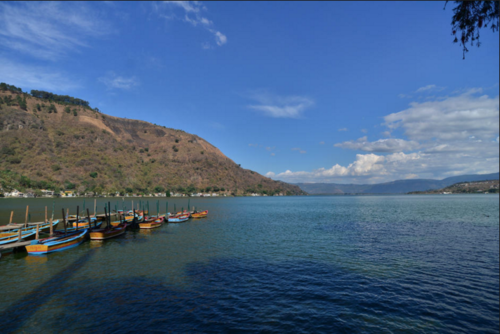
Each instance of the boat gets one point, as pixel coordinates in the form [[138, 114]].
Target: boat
[[84, 222], [202, 214], [8, 237], [81, 227], [128, 219], [178, 219], [31, 227], [107, 233], [56, 244], [152, 222]]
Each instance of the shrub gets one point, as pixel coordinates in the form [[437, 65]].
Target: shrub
[[15, 160], [176, 140], [55, 168], [75, 113], [202, 152], [70, 186], [159, 189], [129, 190], [7, 151], [175, 148], [93, 175], [67, 109]]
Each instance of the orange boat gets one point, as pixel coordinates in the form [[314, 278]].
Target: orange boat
[[152, 223], [107, 233], [202, 214]]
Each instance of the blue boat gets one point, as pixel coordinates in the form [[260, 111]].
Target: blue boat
[[56, 244]]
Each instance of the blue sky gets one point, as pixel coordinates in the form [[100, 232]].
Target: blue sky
[[302, 92]]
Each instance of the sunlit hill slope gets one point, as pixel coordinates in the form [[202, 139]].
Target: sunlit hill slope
[[45, 144]]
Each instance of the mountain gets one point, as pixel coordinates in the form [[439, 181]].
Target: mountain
[[468, 187], [394, 187], [59, 142]]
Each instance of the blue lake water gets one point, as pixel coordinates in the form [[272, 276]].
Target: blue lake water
[[368, 264]]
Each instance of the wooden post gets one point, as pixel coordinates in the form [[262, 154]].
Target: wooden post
[[37, 231], [106, 215], [19, 235], [77, 213], [51, 227], [11, 215], [134, 221], [67, 215], [88, 217], [26, 219], [64, 220], [95, 207]]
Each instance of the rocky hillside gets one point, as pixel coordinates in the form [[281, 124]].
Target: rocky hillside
[[45, 144], [489, 186]]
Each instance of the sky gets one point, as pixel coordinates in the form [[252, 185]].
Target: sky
[[341, 92]]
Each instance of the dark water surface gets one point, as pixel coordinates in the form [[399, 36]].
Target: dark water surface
[[369, 264]]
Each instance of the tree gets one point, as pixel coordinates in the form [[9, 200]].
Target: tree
[[469, 17]]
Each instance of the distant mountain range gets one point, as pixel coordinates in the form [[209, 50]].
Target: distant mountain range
[[394, 187]]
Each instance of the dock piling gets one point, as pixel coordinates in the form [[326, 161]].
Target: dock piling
[[11, 215], [77, 214], [64, 220], [26, 219], [37, 231], [88, 217]]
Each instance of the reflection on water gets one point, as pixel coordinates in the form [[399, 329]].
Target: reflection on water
[[310, 264]]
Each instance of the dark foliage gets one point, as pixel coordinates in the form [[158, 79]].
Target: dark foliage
[[469, 17]]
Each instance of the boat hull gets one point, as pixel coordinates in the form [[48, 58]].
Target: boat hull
[[104, 234], [202, 214], [151, 223], [42, 249]]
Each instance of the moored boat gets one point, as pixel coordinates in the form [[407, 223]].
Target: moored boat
[[8, 237], [56, 244], [201, 214], [153, 222], [178, 219], [107, 233]]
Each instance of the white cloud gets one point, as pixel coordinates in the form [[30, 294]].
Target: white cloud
[[280, 106], [193, 15], [114, 81], [386, 134], [454, 135], [301, 151], [364, 130], [35, 77], [273, 154], [453, 118], [253, 145], [372, 168], [270, 174], [48, 30], [343, 129], [423, 89], [381, 145], [322, 143]]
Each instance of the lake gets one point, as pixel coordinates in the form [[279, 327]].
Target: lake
[[316, 264]]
